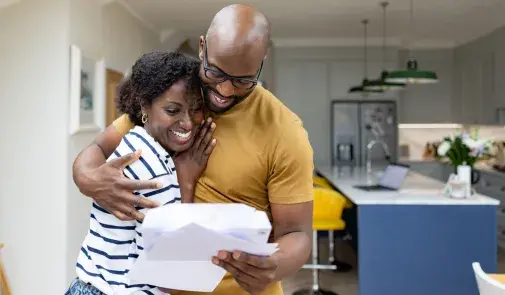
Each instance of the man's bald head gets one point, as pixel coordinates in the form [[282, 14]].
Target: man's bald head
[[241, 27]]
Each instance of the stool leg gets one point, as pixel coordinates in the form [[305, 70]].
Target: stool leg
[[331, 247], [315, 272], [341, 266]]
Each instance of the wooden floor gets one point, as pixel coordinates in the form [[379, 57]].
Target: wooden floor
[[342, 283]]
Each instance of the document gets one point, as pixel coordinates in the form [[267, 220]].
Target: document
[[181, 239]]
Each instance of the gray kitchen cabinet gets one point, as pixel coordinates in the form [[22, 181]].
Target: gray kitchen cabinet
[[431, 169], [492, 184]]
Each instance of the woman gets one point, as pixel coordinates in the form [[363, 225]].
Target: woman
[[163, 98]]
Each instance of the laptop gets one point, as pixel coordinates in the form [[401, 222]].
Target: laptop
[[391, 180]]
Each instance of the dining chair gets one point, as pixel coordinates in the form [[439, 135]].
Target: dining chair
[[486, 284]]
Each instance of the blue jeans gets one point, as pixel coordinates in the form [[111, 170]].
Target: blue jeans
[[79, 287]]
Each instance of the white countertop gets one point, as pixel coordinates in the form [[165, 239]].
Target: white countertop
[[416, 190]]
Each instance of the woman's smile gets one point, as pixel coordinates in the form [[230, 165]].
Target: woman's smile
[[181, 137]]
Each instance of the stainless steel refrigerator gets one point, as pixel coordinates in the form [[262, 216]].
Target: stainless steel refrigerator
[[358, 123]]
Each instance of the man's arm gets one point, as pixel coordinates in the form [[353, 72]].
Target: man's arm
[[105, 182], [290, 191], [291, 195]]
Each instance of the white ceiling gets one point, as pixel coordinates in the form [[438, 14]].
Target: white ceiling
[[449, 22]]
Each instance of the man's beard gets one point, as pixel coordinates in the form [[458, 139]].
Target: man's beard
[[211, 106]]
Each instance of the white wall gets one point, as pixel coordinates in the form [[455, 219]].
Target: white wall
[[100, 31], [125, 38], [33, 180], [43, 217]]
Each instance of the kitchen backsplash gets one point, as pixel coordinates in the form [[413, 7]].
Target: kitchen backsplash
[[413, 139]]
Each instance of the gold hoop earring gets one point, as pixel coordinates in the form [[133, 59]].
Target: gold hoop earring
[[144, 118]]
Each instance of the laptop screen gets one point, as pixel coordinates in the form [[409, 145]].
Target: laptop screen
[[393, 176]]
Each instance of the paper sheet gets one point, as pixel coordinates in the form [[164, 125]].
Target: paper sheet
[[181, 239]]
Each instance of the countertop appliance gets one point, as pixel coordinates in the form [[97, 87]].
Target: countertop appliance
[[358, 123]]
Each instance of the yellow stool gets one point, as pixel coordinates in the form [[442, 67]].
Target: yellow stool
[[327, 216], [320, 181]]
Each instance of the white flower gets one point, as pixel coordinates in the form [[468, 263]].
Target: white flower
[[443, 148], [471, 143], [477, 146]]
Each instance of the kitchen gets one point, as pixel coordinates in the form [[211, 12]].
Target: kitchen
[[467, 96]]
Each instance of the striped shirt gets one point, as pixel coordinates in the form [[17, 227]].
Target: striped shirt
[[111, 246]]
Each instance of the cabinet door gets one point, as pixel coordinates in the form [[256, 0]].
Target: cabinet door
[[471, 92], [345, 74], [303, 87], [488, 91]]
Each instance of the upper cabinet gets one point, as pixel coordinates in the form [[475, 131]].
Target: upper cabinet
[[429, 103]]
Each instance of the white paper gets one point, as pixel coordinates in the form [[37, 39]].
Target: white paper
[[193, 276], [181, 239]]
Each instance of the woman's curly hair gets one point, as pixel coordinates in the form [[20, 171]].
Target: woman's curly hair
[[152, 75]]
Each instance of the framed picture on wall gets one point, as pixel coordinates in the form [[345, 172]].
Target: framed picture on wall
[[87, 92]]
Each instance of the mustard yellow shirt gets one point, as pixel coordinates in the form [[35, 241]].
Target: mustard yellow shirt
[[262, 157]]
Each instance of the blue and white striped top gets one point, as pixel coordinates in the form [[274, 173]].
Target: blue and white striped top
[[111, 245]]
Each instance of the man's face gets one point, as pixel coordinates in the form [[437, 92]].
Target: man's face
[[227, 77]]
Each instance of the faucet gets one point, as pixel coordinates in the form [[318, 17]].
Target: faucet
[[369, 148]]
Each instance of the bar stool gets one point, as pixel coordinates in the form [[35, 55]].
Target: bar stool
[[327, 212], [321, 181]]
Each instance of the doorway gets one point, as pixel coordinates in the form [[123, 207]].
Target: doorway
[[113, 80]]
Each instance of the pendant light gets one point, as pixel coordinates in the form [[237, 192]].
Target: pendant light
[[361, 88], [412, 75], [381, 83]]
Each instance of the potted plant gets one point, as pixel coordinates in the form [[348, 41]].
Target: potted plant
[[466, 148]]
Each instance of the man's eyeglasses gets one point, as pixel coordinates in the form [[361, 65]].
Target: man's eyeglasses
[[218, 76]]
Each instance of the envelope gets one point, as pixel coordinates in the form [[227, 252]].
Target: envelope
[[196, 243], [181, 239], [238, 220]]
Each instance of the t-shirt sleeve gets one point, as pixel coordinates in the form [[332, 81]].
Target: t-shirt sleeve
[[123, 124], [292, 167]]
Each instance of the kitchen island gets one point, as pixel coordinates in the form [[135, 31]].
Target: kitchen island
[[416, 241]]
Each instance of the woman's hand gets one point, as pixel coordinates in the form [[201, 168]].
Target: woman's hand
[[253, 273], [191, 163]]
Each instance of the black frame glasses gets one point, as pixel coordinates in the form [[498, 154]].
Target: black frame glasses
[[218, 76]]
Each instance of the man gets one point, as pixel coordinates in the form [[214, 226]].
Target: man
[[263, 157]]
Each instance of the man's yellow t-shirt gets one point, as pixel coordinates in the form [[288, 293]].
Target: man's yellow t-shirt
[[262, 156]]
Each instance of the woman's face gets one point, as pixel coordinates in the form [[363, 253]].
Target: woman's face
[[174, 116]]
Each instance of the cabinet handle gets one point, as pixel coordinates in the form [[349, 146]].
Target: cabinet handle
[[503, 189], [503, 210], [487, 183]]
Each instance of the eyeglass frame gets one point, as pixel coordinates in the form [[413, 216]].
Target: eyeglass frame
[[231, 78]]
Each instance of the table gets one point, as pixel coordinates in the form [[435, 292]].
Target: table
[[416, 241]]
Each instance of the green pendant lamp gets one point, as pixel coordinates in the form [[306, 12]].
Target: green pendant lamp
[[381, 83], [412, 74], [361, 88]]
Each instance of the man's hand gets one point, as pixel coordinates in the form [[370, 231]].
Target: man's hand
[[114, 192], [253, 273]]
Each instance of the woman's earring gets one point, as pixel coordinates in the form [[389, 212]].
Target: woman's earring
[[144, 118]]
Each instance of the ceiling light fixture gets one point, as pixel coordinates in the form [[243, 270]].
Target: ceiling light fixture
[[362, 87], [381, 83], [412, 74]]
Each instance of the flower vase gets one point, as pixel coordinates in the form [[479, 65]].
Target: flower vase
[[468, 174]]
